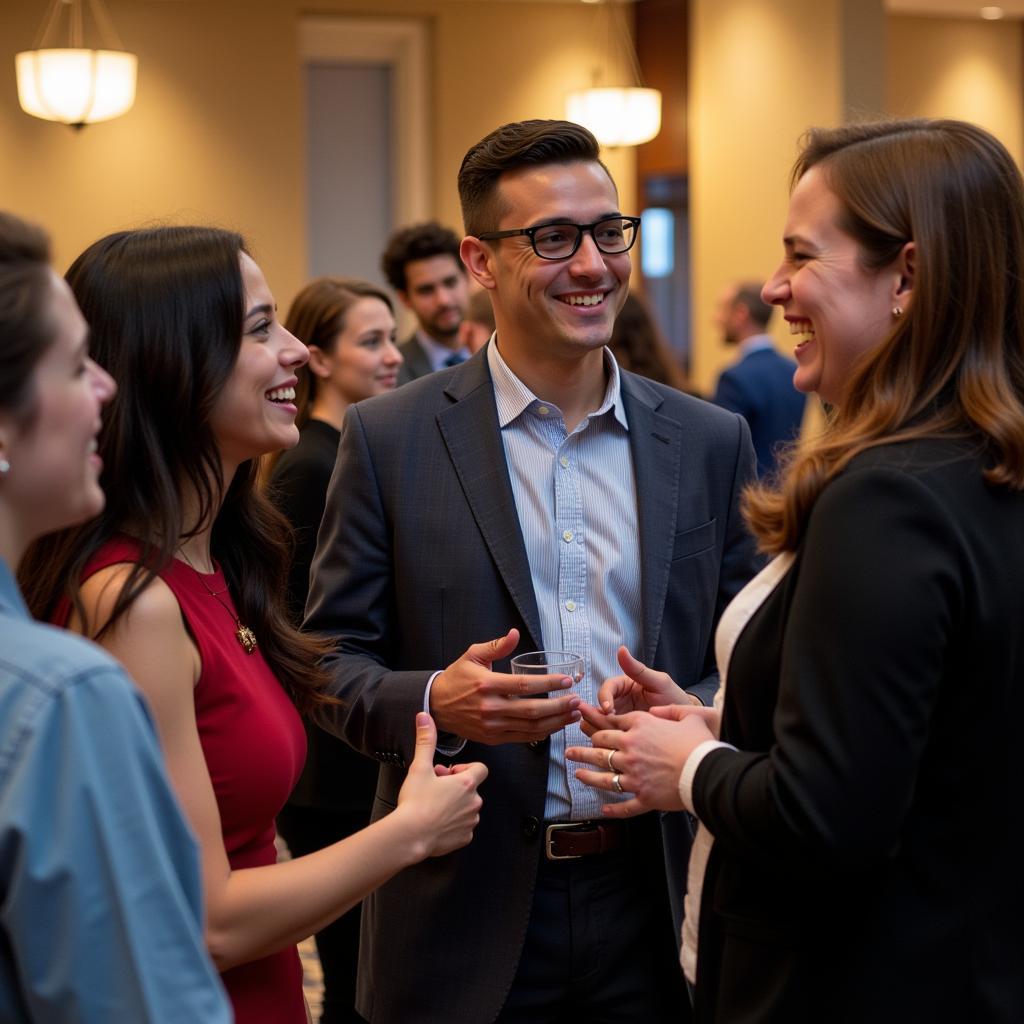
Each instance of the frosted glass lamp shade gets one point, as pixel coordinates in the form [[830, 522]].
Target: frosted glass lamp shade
[[617, 117], [76, 86]]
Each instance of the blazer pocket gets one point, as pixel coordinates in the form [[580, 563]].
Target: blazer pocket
[[694, 541]]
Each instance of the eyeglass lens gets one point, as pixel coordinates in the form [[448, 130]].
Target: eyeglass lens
[[554, 241]]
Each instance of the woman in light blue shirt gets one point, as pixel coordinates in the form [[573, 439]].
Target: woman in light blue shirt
[[100, 894]]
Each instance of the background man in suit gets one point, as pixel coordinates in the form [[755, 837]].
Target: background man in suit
[[422, 265], [533, 497], [759, 385]]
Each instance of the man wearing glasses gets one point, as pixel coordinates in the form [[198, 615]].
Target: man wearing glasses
[[535, 497]]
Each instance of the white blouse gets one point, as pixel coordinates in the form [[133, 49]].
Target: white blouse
[[732, 623]]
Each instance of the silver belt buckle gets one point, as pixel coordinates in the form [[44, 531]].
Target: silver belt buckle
[[548, 848]]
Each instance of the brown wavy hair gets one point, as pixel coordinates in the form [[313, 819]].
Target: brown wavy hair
[[317, 316], [638, 345], [953, 366], [165, 307]]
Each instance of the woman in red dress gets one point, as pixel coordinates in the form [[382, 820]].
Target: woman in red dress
[[183, 579]]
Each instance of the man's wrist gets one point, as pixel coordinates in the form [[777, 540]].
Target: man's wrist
[[448, 744]]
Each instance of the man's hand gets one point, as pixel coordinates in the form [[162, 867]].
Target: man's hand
[[471, 701]]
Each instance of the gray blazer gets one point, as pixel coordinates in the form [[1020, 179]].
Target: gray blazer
[[420, 554], [415, 363]]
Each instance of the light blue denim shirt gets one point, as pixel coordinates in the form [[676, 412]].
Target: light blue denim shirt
[[100, 891], [576, 499]]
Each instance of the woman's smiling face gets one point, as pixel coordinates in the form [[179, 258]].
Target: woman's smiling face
[[837, 307], [255, 412]]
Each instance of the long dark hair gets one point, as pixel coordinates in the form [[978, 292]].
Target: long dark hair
[[26, 331], [953, 365], [166, 308]]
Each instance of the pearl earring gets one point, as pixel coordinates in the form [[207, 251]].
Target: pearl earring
[[5, 466], [897, 312]]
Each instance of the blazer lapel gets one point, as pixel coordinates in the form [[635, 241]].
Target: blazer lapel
[[656, 443], [471, 433]]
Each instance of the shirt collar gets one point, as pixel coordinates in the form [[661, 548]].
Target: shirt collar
[[755, 343], [436, 352], [513, 397]]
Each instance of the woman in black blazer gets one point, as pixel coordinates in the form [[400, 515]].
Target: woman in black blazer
[[860, 793]]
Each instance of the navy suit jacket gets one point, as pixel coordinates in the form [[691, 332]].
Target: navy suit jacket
[[420, 555], [760, 388]]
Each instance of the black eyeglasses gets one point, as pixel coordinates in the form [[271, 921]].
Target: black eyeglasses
[[612, 236]]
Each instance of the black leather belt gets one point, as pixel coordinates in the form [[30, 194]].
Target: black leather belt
[[569, 840]]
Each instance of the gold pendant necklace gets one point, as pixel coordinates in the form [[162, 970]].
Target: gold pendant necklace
[[243, 634]]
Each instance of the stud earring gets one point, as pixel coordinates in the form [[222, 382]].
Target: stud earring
[[897, 312], [5, 466]]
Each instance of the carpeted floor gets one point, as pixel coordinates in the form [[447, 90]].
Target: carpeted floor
[[312, 978]]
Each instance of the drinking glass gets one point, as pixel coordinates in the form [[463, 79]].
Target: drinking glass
[[549, 663]]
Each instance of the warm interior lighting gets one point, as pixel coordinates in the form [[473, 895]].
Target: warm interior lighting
[[992, 13], [623, 114], [73, 84], [619, 116]]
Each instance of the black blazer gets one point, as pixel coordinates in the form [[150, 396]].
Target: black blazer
[[420, 555], [299, 489], [869, 838]]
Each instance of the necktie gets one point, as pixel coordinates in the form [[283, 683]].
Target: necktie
[[455, 358]]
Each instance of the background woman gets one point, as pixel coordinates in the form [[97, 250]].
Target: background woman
[[99, 878], [638, 345], [860, 851], [349, 328], [180, 579]]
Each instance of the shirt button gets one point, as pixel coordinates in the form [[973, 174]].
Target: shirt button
[[567, 536], [564, 461], [570, 606], [543, 410]]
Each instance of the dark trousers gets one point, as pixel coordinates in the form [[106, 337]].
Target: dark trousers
[[601, 946], [305, 830]]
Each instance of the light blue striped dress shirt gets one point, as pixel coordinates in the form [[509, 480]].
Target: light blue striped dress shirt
[[576, 498]]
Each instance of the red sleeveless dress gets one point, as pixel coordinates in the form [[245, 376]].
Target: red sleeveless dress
[[255, 746]]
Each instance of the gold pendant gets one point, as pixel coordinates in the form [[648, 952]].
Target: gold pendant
[[246, 637]]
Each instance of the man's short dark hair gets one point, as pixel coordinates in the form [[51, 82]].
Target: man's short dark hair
[[417, 242], [509, 148], [749, 294]]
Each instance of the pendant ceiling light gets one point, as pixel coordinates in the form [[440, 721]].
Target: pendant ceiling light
[[73, 84], [618, 115]]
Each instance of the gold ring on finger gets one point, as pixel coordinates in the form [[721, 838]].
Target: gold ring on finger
[[611, 766], [616, 783]]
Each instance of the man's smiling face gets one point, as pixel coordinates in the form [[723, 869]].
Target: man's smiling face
[[564, 308]]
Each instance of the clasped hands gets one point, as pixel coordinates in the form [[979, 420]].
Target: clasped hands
[[644, 722], [643, 730]]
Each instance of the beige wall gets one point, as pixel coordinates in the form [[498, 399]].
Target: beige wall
[[761, 73], [967, 69], [216, 134]]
